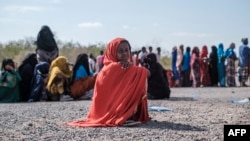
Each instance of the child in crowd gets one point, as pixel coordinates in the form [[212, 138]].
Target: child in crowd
[[58, 78], [9, 82], [83, 80], [38, 83]]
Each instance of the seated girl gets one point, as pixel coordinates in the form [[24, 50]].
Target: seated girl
[[9, 82], [120, 92], [158, 87], [26, 71], [82, 81], [38, 91], [58, 78]]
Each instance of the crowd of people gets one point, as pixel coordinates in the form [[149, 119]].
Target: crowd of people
[[118, 81], [219, 68]]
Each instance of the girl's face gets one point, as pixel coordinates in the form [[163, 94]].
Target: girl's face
[[123, 52]]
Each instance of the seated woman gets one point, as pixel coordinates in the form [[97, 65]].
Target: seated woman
[[38, 91], [47, 49], [9, 82], [26, 71], [158, 87], [58, 78], [82, 81], [120, 90]]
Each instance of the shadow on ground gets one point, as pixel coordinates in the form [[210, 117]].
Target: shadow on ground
[[153, 124]]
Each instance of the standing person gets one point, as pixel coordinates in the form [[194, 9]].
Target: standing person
[[92, 63], [230, 65], [158, 87], [158, 54], [186, 68], [179, 63], [47, 49], [120, 90], [9, 82], [173, 66], [150, 49], [195, 67], [26, 71], [213, 66], [204, 66], [142, 55], [221, 66], [99, 61], [244, 64]]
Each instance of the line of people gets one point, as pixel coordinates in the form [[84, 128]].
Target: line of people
[[217, 68]]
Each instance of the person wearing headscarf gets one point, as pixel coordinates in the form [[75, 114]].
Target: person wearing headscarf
[[195, 67], [47, 49], [173, 65], [83, 80], [244, 62], [9, 82], [26, 71], [213, 66], [221, 66], [158, 87], [120, 91], [204, 63], [38, 91], [186, 68], [58, 78], [230, 65], [179, 62]]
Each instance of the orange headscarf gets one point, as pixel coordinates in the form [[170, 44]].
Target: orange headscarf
[[117, 93]]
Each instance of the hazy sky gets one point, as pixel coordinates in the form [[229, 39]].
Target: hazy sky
[[162, 23]]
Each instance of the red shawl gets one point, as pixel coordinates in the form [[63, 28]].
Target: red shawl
[[118, 93]]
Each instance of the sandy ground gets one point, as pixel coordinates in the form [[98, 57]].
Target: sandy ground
[[201, 118]]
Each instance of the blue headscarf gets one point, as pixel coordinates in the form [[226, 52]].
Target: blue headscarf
[[220, 52]]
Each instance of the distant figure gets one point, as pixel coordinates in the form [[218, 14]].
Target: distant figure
[[204, 67], [99, 61], [179, 63], [142, 55], [244, 62], [92, 63], [47, 49], [173, 65], [186, 68], [9, 82], [135, 57], [39, 81], [158, 87], [195, 67], [230, 65], [58, 78], [26, 71], [221, 66], [82, 81], [158, 54], [213, 66], [150, 49], [120, 90]]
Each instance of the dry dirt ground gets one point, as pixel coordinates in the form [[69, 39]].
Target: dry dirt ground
[[199, 118]]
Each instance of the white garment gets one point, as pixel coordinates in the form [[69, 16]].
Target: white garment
[[91, 65]]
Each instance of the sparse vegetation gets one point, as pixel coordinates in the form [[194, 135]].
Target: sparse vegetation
[[17, 50]]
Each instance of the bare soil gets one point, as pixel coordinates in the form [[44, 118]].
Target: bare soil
[[198, 114]]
